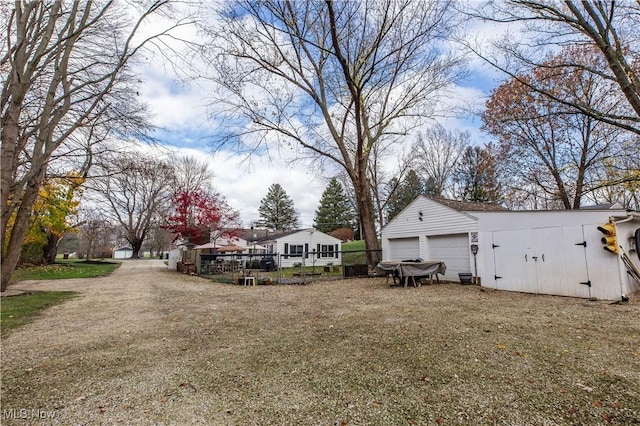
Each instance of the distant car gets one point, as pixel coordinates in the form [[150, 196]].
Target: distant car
[[267, 264]]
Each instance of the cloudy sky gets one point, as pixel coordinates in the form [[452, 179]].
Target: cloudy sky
[[179, 110]]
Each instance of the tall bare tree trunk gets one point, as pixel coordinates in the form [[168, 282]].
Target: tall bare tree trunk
[[66, 66], [369, 71], [368, 223], [136, 245], [19, 230]]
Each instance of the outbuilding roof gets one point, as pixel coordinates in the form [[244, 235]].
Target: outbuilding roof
[[607, 206], [468, 206]]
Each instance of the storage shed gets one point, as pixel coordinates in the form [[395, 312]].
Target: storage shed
[[556, 252], [122, 253]]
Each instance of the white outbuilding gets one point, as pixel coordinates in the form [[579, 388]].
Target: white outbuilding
[[557, 252], [122, 253]]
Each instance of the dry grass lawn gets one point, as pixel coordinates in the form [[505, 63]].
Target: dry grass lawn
[[147, 346]]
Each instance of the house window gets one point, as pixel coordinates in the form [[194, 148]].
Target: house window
[[296, 250], [326, 250]]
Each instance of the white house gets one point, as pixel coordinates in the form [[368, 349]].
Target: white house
[[305, 246], [555, 252]]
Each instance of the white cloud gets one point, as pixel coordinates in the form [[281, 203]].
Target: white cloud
[[182, 109], [245, 183], [173, 105]]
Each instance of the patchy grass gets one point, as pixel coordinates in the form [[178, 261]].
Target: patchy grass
[[418, 358], [65, 270], [357, 352], [19, 310], [168, 347], [353, 245], [358, 257]]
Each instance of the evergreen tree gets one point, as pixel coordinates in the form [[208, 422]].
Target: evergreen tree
[[476, 177], [407, 191], [276, 209], [334, 211]]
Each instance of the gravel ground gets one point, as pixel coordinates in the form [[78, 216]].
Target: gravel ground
[[149, 346]]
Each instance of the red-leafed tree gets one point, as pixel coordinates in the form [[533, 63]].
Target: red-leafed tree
[[345, 234], [199, 217]]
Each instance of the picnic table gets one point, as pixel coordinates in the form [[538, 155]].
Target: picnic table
[[406, 270]]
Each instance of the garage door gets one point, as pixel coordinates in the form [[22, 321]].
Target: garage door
[[404, 248], [453, 250]]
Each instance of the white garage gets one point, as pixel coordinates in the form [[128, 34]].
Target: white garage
[[556, 252]]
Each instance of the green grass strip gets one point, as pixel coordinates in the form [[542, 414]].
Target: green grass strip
[[21, 309], [65, 270]]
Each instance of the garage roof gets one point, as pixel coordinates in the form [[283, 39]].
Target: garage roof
[[468, 206]]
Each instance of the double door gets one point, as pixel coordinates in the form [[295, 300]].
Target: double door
[[542, 260]]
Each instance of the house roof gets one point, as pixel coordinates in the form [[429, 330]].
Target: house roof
[[468, 206], [264, 235], [607, 206], [274, 235]]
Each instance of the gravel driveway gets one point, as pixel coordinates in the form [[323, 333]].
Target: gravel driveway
[[149, 346]]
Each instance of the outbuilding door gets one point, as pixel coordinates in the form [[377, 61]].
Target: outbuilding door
[[542, 260], [513, 261], [453, 250], [404, 248], [562, 262]]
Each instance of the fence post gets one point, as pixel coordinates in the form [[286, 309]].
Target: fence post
[[279, 269]]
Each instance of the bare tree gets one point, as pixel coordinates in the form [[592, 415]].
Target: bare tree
[[385, 179], [333, 78], [611, 28], [548, 146], [96, 234], [623, 175], [437, 152], [67, 81], [135, 191], [159, 239], [191, 173]]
